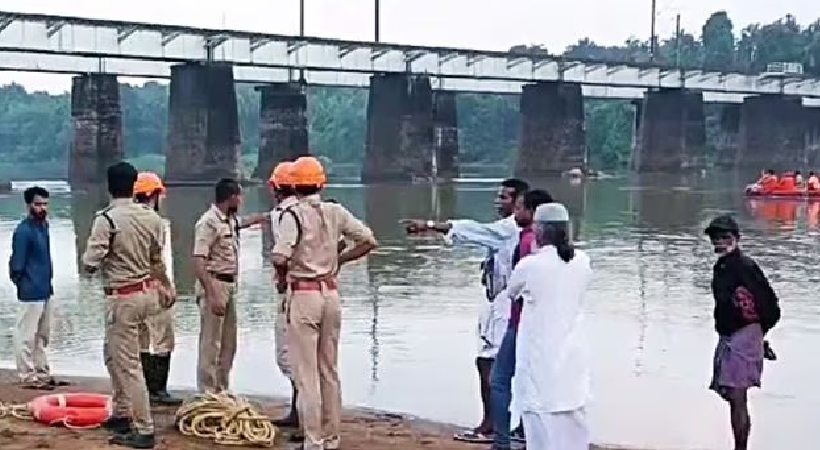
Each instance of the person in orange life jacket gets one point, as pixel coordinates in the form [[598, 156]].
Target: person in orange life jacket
[[158, 331], [813, 183], [504, 366], [746, 308], [31, 271], [499, 238]]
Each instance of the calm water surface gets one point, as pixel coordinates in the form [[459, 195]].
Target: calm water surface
[[410, 310]]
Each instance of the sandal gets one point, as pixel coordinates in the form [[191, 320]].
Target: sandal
[[474, 437]]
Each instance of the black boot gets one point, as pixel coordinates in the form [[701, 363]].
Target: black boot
[[292, 419], [118, 425], [159, 394], [133, 440], [148, 370]]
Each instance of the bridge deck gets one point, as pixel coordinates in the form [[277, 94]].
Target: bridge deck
[[42, 43]]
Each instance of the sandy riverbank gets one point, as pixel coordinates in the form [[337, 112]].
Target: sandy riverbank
[[361, 429]]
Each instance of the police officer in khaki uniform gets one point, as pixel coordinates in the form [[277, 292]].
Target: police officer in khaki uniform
[[216, 266], [305, 249], [125, 244], [157, 333], [281, 188]]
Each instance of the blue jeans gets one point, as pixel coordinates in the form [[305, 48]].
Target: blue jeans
[[501, 389]]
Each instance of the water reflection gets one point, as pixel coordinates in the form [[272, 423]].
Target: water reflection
[[183, 206], [408, 338], [85, 203]]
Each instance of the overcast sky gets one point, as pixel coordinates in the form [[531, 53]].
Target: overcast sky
[[481, 24]]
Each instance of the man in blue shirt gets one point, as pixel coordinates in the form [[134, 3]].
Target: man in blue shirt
[[31, 271]]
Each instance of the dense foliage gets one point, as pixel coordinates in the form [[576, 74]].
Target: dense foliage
[[35, 128]]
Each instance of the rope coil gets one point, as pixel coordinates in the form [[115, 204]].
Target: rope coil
[[226, 419]]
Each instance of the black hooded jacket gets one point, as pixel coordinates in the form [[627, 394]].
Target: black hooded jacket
[[742, 295]]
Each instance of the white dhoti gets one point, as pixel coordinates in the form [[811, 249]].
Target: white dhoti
[[556, 431]]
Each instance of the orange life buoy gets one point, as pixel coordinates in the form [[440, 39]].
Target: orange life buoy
[[73, 410]]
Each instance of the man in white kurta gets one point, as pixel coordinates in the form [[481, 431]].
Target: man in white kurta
[[552, 373]]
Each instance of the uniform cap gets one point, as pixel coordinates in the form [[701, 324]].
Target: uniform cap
[[282, 175], [148, 183], [308, 171], [551, 212]]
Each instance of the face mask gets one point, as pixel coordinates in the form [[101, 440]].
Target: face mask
[[723, 243]]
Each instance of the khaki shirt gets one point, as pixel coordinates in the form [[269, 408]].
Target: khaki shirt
[[277, 212], [127, 247], [323, 224], [216, 238]]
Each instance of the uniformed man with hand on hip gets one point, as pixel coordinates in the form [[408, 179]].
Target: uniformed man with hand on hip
[[157, 334], [216, 266], [125, 246], [306, 251]]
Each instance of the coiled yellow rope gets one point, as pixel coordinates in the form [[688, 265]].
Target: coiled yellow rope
[[16, 410], [225, 418]]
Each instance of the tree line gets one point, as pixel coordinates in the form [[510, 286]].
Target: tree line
[[35, 127]]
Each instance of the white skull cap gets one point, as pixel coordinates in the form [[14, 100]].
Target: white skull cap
[[551, 212]]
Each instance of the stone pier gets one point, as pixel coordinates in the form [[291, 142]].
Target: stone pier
[[552, 129], [445, 126], [97, 120], [772, 133], [203, 124], [637, 115], [399, 143], [283, 125], [672, 131], [724, 120]]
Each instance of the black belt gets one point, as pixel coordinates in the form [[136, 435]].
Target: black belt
[[224, 277]]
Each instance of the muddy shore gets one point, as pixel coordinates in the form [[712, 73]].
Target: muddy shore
[[361, 429]]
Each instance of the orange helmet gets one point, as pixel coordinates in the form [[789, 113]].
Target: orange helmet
[[308, 171], [148, 183], [282, 175]]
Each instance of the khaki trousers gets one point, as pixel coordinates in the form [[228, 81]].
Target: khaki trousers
[[315, 322], [217, 341], [157, 333], [280, 340], [121, 349], [31, 336]]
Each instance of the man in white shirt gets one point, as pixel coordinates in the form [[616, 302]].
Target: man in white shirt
[[552, 373], [500, 239]]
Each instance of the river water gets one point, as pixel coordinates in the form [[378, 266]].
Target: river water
[[410, 310]]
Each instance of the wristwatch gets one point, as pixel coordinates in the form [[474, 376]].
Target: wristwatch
[[431, 225]]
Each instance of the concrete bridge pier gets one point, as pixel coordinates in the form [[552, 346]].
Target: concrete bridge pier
[[725, 139], [445, 125], [672, 130], [399, 143], [97, 120], [283, 125], [203, 124], [552, 129], [772, 133]]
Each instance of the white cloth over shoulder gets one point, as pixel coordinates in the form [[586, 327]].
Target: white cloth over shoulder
[[552, 372], [499, 238]]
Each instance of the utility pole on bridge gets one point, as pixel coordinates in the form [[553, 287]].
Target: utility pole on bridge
[[376, 20], [652, 36]]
